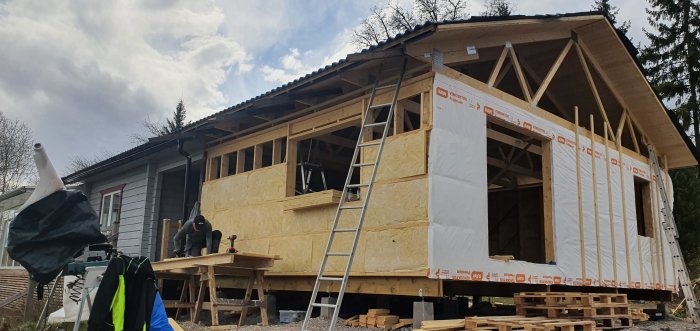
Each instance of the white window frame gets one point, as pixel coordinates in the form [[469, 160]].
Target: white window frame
[[113, 215], [6, 217]]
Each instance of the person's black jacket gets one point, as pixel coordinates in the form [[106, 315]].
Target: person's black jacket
[[140, 292]]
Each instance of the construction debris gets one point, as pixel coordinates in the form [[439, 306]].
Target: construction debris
[[379, 318]]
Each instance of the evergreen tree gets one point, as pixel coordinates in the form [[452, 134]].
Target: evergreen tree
[[672, 59], [178, 121], [672, 63], [611, 12]]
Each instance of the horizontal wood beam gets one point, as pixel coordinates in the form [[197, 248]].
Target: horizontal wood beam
[[375, 55], [492, 161], [512, 141]]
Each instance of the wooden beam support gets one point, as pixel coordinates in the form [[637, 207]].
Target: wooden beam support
[[538, 80], [257, 156], [240, 161], [512, 141], [591, 84], [621, 126], [580, 202], [277, 146], [594, 178], [620, 162], [549, 250], [497, 68], [550, 74], [633, 134], [524, 86], [610, 207]]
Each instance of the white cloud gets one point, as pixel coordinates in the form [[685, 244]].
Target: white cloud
[[292, 67], [84, 75]]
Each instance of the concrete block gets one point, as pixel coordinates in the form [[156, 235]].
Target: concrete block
[[327, 313], [422, 311]]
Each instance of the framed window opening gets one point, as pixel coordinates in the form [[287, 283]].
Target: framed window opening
[[110, 207], [642, 205], [519, 194], [254, 157]]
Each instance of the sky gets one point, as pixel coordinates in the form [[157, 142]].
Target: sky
[[84, 75]]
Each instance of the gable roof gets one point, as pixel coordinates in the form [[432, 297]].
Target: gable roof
[[681, 143]]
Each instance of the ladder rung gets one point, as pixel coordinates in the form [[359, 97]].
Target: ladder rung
[[381, 105], [325, 305], [345, 230], [337, 254], [363, 164], [371, 125], [374, 143], [331, 279], [386, 86], [357, 185], [352, 207]]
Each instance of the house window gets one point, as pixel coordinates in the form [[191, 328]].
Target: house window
[[5, 218], [111, 206], [516, 172], [642, 204]]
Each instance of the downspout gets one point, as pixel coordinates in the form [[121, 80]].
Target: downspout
[[188, 166]]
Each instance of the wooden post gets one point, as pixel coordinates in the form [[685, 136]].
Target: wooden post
[[610, 208], [624, 207], [291, 166], [547, 197], [240, 161], [30, 305], [595, 197], [213, 300], [259, 283], [200, 300], [257, 156], [224, 165], [580, 203], [661, 265], [165, 239], [521, 77], [246, 298], [277, 150], [667, 179], [192, 299], [399, 114]]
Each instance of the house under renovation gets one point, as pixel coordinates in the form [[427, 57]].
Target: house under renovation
[[517, 158]]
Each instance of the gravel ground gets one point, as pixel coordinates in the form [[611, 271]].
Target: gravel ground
[[318, 324]]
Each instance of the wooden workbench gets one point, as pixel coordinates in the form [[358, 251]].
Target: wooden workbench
[[204, 269]]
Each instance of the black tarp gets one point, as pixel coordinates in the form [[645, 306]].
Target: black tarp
[[48, 233]]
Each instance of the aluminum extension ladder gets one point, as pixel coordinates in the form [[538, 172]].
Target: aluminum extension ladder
[[669, 226], [356, 165]]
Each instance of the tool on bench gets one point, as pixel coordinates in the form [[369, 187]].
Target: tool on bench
[[232, 249]]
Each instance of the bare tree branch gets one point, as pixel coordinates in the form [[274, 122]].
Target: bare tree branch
[[15, 153]]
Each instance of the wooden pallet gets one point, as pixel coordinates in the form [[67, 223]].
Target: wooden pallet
[[574, 311], [569, 299], [509, 323]]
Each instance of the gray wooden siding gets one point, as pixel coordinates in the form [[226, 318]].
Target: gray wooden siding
[[131, 218]]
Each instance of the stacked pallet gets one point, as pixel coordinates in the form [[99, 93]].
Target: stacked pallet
[[379, 318], [508, 323], [608, 310]]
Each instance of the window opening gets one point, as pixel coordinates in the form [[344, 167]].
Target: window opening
[[516, 219], [248, 155], [642, 204], [232, 159], [267, 154], [323, 162]]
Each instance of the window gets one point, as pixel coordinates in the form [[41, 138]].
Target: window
[[322, 162], [111, 206], [516, 170], [5, 218], [642, 205]]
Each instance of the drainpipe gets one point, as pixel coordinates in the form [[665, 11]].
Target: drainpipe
[[188, 166]]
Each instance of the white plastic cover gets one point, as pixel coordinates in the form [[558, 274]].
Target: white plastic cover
[[49, 180], [458, 207]]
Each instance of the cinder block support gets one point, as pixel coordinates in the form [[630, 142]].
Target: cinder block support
[[422, 311], [327, 312]]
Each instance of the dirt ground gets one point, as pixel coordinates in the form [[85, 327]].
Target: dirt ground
[[318, 324]]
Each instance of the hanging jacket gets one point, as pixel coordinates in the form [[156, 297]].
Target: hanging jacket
[[125, 298]]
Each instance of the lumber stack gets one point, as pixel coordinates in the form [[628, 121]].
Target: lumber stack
[[608, 310], [379, 318], [507, 323]]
